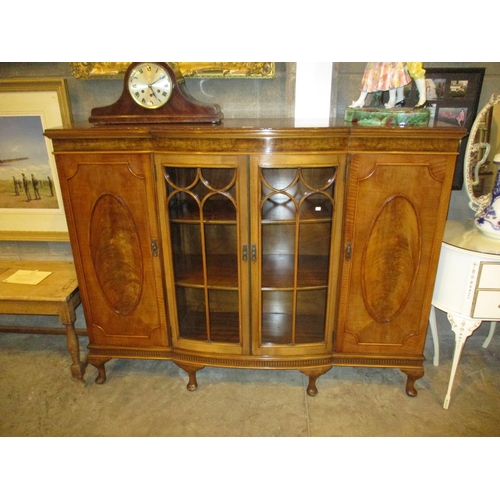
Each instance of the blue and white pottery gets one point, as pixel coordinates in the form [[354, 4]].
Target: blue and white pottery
[[488, 220]]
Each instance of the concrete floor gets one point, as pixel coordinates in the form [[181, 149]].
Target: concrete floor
[[149, 398]]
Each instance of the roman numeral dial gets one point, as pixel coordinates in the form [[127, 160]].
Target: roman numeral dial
[[150, 85]]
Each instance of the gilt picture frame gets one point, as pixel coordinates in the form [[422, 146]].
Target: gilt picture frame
[[109, 70], [31, 206], [453, 94]]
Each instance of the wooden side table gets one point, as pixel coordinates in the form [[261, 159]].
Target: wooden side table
[[57, 294], [467, 287]]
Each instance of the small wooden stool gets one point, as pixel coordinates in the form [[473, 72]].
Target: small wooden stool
[[57, 294]]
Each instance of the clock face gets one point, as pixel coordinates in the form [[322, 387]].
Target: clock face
[[150, 85]]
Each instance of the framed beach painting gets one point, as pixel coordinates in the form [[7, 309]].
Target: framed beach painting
[[31, 206]]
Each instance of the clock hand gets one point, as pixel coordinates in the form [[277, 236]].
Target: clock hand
[[152, 91], [161, 78]]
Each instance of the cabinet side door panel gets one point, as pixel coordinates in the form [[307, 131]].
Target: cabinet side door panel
[[393, 241], [110, 206]]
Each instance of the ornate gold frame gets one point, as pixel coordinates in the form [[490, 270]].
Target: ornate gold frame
[[86, 70]]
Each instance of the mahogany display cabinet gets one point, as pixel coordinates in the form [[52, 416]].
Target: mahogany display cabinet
[[257, 244]]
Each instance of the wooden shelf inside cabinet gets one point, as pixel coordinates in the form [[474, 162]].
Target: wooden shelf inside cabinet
[[224, 327], [277, 328], [278, 272], [311, 210], [222, 271], [221, 211]]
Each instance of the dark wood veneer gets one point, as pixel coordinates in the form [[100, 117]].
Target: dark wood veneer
[[248, 268]]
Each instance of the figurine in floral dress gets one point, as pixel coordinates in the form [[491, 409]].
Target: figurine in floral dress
[[417, 73], [380, 76]]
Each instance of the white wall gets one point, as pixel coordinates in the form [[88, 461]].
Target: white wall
[[313, 90]]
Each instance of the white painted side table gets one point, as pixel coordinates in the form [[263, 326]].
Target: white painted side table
[[467, 287]]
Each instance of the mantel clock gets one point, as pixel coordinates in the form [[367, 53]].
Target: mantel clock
[[155, 92]]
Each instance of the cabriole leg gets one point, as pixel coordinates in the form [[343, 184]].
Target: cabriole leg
[[435, 337], [487, 341], [313, 374], [413, 375], [463, 328], [99, 364], [191, 371]]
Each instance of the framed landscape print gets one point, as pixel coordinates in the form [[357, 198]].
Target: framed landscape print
[[453, 94], [31, 205]]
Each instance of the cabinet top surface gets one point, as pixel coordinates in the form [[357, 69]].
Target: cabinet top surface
[[255, 137], [246, 127], [463, 235]]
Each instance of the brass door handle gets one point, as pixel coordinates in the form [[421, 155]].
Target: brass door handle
[[348, 251]]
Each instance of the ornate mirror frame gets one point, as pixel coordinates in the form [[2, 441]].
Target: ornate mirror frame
[[476, 153]]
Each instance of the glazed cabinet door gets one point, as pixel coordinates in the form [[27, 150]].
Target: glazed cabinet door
[[203, 208], [109, 202], [395, 212], [296, 214]]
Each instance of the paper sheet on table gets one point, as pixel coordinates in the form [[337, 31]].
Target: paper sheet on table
[[26, 277]]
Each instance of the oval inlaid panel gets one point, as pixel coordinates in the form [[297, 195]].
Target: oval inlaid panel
[[116, 254], [391, 259]]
